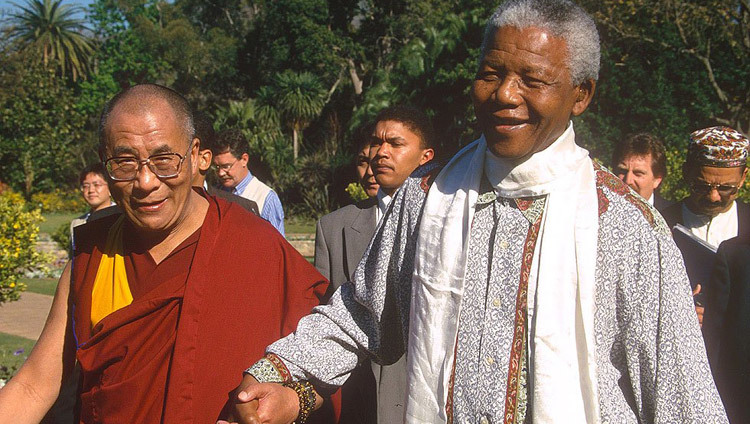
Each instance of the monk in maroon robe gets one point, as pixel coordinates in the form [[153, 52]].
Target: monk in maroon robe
[[208, 285]]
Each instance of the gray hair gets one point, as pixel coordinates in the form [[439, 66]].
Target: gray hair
[[563, 19], [145, 94]]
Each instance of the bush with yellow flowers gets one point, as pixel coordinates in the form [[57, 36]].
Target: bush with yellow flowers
[[19, 229], [59, 200], [356, 192]]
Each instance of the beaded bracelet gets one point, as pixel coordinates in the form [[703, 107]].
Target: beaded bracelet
[[306, 394]]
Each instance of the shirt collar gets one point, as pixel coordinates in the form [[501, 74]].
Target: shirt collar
[[239, 188], [383, 201]]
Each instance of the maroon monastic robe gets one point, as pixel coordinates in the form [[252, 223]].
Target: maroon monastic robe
[[197, 320]]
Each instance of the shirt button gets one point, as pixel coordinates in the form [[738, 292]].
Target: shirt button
[[484, 420], [504, 244], [489, 360], [496, 302]]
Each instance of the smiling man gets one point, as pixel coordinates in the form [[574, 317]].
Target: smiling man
[[143, 306], [505, 279], [715, 170]]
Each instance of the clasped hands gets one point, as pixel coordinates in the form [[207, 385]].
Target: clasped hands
[[267, 403], [254, 403]]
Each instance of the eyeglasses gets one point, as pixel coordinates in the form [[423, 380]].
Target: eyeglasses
[[95, 186], [163, 165], [701, 187], [225, 167]]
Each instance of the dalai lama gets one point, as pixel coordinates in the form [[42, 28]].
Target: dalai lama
[[163, 304]]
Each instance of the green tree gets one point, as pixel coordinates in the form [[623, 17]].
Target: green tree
[[52, 28], [709, 38], [300, 99], [41, 128]]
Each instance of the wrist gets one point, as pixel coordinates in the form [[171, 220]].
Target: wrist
[[306, 396], [269, 369]]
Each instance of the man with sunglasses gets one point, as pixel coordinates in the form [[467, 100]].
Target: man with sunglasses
[[162, 304], [715, 170]]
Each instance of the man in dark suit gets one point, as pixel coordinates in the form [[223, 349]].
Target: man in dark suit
[[400, 141], [726, 326], [204, 131], [715, 170], [640, 161]]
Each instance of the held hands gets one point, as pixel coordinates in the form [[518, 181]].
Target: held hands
[[699, 308], [254, 403]]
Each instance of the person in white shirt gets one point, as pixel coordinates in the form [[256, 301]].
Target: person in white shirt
[[230, 157], [715, 170]]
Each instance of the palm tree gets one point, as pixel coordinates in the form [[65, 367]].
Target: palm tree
[[300, 99], [52, 27]]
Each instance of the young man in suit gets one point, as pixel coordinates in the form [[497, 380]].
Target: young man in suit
[[401, 140]]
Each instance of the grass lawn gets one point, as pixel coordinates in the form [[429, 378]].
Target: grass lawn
[[40, 285], [295, 225], [52, 221], [14, 350]]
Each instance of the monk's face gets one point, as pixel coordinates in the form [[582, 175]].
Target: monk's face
[[523, 93], [154, 204]]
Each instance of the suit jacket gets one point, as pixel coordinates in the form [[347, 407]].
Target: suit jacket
[[673, 216], [661, 203], [230, 197], [373, 393], [726, 326]]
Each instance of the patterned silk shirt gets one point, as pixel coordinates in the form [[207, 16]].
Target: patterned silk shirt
[[650, 359]]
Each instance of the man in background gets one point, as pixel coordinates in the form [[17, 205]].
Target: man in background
[[95, 191], [231, 155], [204, 131], [365, 177], [640, 162], [715, 171], [401, 140]]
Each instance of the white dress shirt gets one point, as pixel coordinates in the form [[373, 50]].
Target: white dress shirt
[[383, 201], [712, 230]]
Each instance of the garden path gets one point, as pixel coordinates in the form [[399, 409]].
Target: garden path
[[26, 316]]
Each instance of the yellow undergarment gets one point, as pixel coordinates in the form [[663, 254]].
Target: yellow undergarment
[[111, 290]]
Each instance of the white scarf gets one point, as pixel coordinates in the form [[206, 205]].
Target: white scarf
[[561, 283]]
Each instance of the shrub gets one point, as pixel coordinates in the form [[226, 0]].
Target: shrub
[[62, 236], [59, 200], [356, 192], [19, 229]]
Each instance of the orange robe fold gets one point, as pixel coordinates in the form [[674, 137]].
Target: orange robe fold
[[197, 319]]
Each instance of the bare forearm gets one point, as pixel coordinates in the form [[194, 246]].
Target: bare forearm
[[31, 392]]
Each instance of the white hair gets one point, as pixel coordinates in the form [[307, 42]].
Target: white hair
[[562, 19]]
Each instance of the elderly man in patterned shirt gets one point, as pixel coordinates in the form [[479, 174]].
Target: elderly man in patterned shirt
[[506, 278]]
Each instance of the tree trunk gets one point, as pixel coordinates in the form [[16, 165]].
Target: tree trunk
[[295, 142], [28, 174]]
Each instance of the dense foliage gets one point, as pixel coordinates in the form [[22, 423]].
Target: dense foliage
[[19, 229], [299, 76]]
